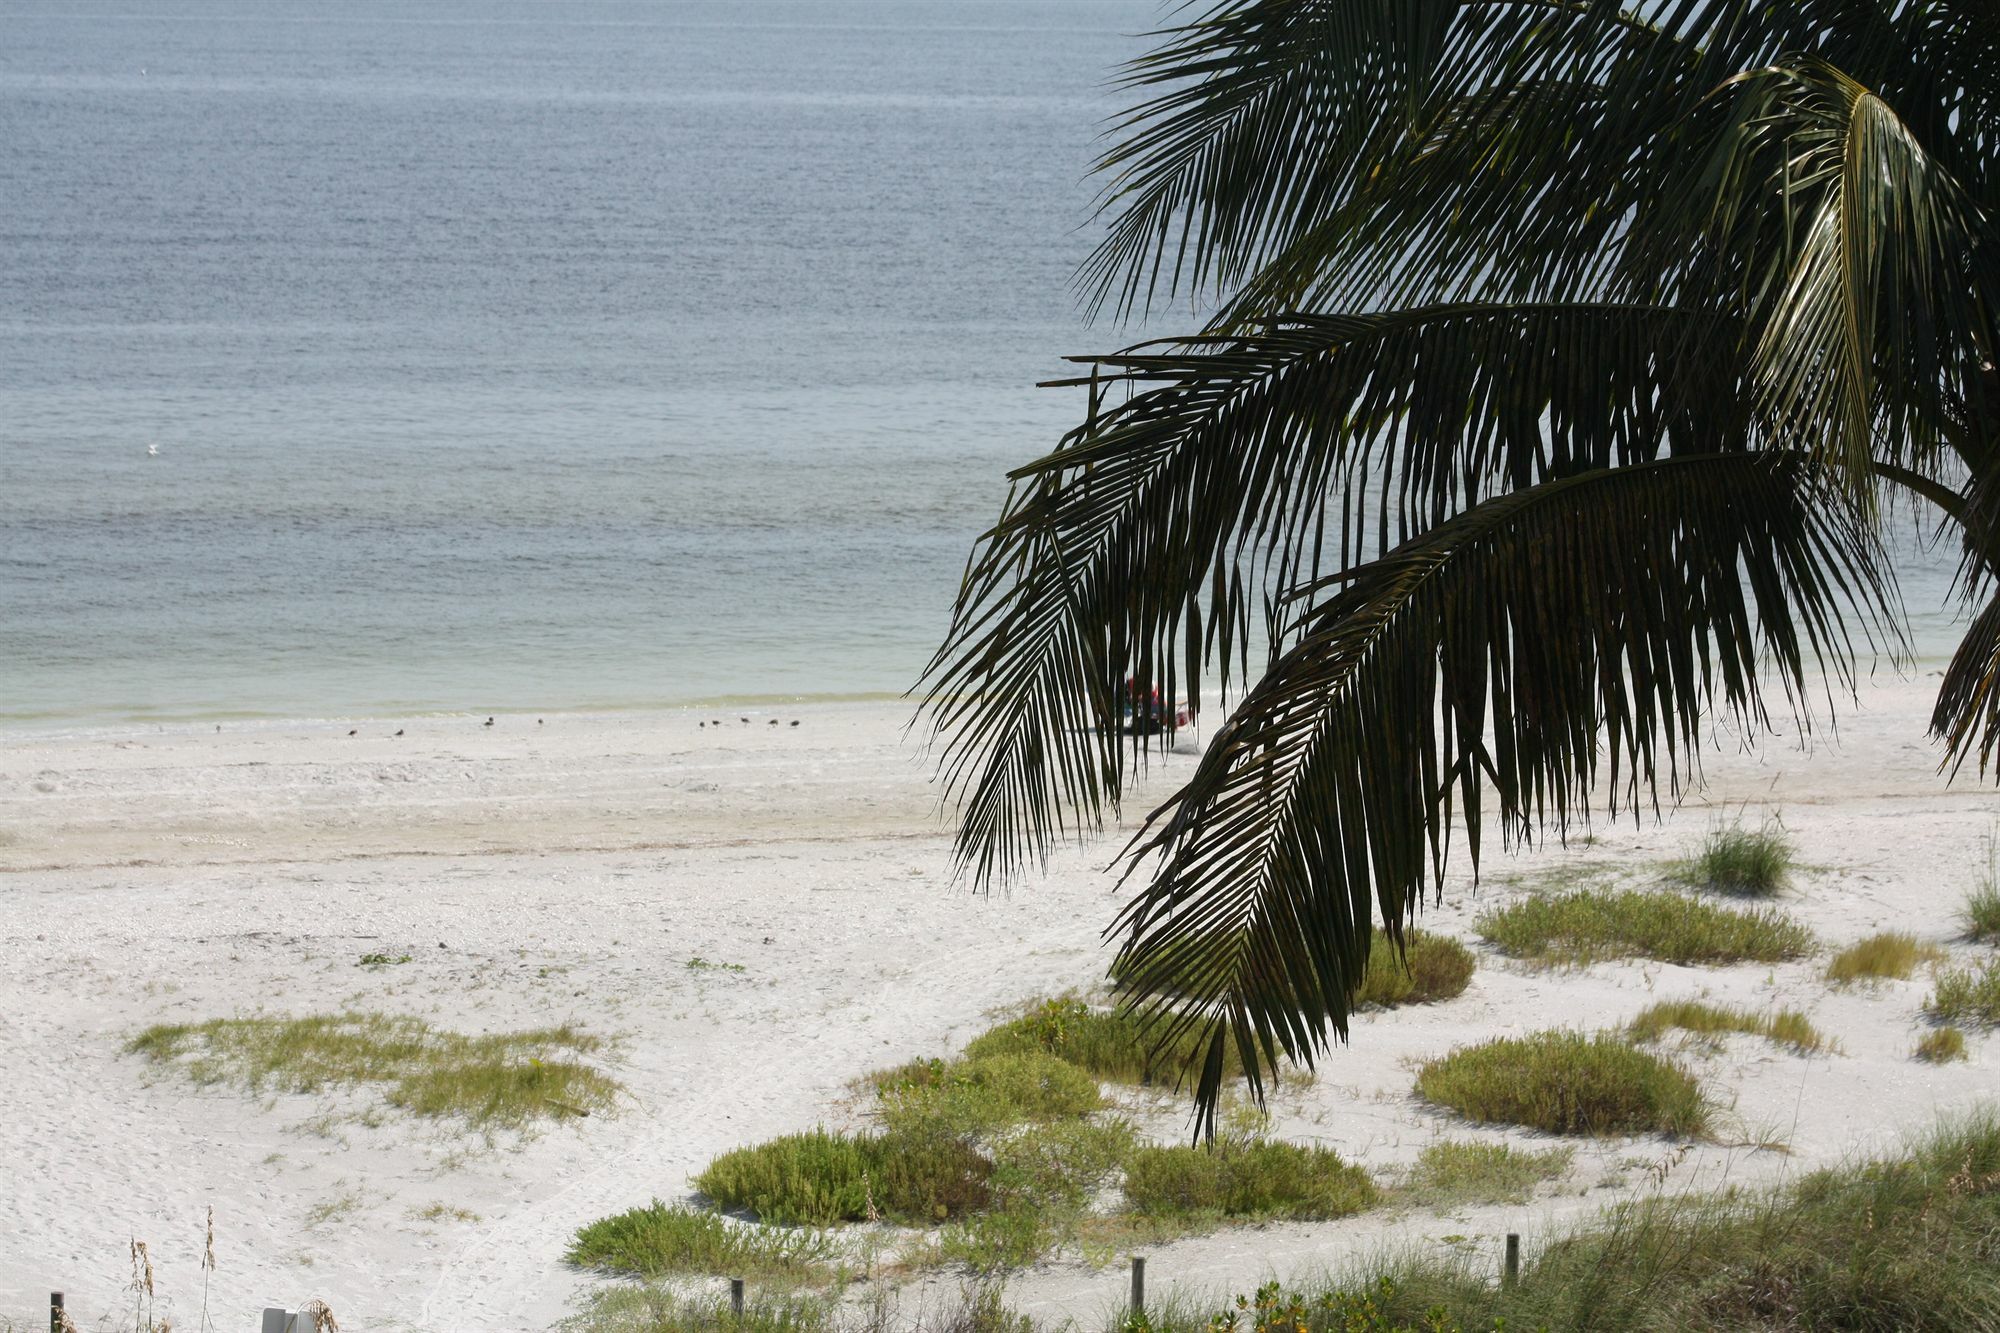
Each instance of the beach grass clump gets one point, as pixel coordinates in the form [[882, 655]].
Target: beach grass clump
[[1889, 956], [978, 1096], [1567, 1083], [1106, 1043], [495, 1080], [1901, 1243], [1784, 1027], [1941, 1046], [1968, 995], [665, 1307], [1242, 1177], [1429, 968], [663, 1240], [1751, 863], [1045, 1176], [1981, 913], [1462, 1173], [819, 1178], [1588, 926]]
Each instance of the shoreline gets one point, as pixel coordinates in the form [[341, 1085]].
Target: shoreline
[[569, 873]]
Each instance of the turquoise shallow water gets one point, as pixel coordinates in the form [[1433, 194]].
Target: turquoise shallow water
[[525, 356]]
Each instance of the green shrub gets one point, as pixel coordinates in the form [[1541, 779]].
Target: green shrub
[[978, 1096], [660, 1240], [499, 1080], [1246, 1178], [1967, 995], [1431, 968], [1108, 1044], [1060, 1165], [1733, 859], [1566, 1083], [819, 1178], [1587, 926], [1942, 1046], [1458, 1173], [1786, 1027], [1892, 955]]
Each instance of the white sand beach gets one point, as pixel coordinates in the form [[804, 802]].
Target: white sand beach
[[568, 870]]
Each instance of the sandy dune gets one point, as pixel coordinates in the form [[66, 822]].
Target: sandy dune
[[569, 871]]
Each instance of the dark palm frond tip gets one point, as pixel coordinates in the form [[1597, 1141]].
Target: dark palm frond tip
[[1492, 651]]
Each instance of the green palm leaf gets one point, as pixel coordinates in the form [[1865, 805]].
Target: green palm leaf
[[1493, 651]]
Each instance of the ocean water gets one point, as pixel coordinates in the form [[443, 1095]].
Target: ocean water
[[521, 356], [525, 356]]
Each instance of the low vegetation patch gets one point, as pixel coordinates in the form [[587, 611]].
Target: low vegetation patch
[[978, 1096], [1567, 1083], [1244, 1177], [660, 1240], [661, 1307], [1981, 913], [1108, 1044], [819, 1178], [1786, 1027], [1429, 968], [1587, 926], [1941, 1047], [1967, 995], [1456, 1174], [1890, 956], [1905, 1243], [1755, 863], [499, 1080]]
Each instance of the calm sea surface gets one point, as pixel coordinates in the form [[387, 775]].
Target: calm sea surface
[[522, 356]]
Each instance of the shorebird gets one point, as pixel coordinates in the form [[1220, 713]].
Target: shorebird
[[744, 720], [774, 721], [399, 731], [489, 721], [795, 722], [152, 451], [352, 730]]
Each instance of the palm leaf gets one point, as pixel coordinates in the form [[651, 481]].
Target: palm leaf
[[1142, 547], [1502, 649]]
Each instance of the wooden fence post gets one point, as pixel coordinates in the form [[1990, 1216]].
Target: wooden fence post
[[1512, 1272], [1138, 1284], [736, 1296], [55, 1312]]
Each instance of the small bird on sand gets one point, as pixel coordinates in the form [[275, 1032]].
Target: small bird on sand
[[701, 726], [795, 722], [744, 720], [399, 731], [489, 721], [538, 722], [352, 730], [774, 721]]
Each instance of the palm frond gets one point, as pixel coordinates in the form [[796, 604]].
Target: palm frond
[[1143, 546], [1615, 609], [1853, 252]]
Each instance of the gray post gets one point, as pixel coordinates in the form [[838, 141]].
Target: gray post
[[55, 1312], [1138, 1284], [736, 1296], [1512, 1273]]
